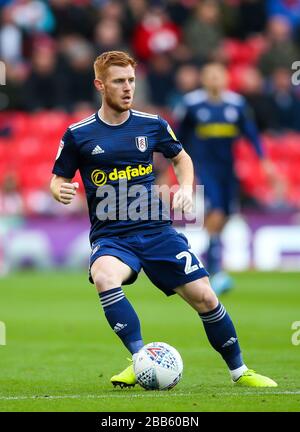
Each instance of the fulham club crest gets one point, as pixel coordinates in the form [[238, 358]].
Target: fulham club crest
[[141, 143]]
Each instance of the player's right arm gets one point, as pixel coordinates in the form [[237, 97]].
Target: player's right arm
[[62, 189], [65, 167]]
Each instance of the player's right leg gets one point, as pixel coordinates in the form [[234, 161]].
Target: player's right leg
[[108, 274]]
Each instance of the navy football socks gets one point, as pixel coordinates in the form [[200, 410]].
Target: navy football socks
[[218, 326], [222, 336], [122, 318]]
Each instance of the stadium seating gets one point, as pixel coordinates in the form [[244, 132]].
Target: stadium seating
[[29, 151], [284, 151], [244, 52]]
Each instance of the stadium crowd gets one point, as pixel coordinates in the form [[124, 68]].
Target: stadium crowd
[[48, 48]]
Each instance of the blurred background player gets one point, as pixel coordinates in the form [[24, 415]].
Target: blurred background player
[[212, 119]]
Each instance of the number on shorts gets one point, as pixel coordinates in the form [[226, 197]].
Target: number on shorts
[[189, 268]]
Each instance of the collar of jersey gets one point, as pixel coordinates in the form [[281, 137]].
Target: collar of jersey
[[113, 126]]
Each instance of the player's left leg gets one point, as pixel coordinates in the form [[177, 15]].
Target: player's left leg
[[220, 331], [218, 200]]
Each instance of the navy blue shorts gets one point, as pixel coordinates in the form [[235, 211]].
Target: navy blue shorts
[[165, 257]]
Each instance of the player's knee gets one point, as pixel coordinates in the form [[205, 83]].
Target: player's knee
[[207, 299], [105, 280]]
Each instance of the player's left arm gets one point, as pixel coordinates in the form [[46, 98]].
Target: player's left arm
[[171, 148], [184, 171], [249, 130]]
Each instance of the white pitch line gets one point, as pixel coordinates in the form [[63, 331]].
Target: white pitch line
[[114, 396], [255, 393], [146, 395]]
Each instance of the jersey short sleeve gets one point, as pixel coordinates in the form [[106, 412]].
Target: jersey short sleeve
[[66, 162], [167, 143]]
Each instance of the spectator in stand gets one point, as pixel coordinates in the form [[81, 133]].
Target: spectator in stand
[[202, 31], [179, 11], [160, 79], [43, 88], [11, 95], [253, 88], [251, 18], [134, 11], [112, 9], [285, 101], [287, 8], [281, 50], [115, 25], [78, 89], [108, 36], [11, 38], [73, 18], [33, 16], [156, 34]]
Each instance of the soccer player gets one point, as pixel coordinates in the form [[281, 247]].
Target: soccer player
[[212, 118], [117, 143]]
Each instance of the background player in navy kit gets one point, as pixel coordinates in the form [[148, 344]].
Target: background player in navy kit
[[212, 119], [118, 143]]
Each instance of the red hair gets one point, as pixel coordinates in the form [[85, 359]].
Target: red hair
[[112, 58]]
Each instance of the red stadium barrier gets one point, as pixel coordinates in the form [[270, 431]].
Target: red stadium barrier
[[29, 150]]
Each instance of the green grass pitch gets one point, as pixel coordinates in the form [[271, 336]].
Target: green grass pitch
[[61, 353]]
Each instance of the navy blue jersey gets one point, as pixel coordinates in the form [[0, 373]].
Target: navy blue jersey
[[208, 129], [106, 154]]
